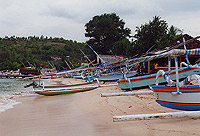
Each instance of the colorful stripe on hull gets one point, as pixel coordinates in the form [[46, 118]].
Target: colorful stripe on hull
[[191, 89], [180, 106]]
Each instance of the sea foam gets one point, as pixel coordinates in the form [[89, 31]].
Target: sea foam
[[7, 101]]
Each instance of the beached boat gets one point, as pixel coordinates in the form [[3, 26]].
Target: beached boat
[[146, 80], [112, 77], [59, 92], [188, 97], [116, 76], [178, 95], [51, 76], [62, 87]]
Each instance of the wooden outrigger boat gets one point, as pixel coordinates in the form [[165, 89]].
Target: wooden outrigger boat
[[175, 95], [110, 72], [113, 76], [188, 97], [146, 80], [116, 76], [63, 87], [59, 92], [178, 95]]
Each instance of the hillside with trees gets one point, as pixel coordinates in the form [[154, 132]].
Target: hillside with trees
[[107, 35], [40, 52]]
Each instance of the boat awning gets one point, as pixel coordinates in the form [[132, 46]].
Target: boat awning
[[174, 52]]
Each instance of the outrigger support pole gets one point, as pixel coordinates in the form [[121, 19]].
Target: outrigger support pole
[[177, 77], [169, 66], [188, 63], [95, 52]]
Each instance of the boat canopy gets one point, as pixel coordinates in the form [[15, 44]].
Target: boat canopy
[[174, 52]]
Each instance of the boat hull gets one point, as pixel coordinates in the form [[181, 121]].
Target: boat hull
[[62, 87], [144, 81], [112, 77], [115, 77], [188, 99], [60, 92]]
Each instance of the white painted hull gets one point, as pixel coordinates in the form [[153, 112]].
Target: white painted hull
[[64, 87], [187, 99]]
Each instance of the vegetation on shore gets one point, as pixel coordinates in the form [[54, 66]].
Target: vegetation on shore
[[40, 52], [107, 35]]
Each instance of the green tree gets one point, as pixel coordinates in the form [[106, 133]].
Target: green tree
[[154, 35], [104, 31], [123, 47]]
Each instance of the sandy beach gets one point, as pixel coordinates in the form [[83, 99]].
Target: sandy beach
[[89, 114]]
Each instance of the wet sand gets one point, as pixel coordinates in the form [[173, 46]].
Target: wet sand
[[89, 114]]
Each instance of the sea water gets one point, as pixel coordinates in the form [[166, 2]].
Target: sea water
[[10, 88]]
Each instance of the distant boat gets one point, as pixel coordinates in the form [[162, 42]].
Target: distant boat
[[29, 71], [59, 92], [51, 76]]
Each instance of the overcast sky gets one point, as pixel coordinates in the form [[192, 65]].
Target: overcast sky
[[66, 18]]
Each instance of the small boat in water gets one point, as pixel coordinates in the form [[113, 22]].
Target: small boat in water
[[59, 92]]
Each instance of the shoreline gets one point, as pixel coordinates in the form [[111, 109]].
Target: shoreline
[[87, 113]]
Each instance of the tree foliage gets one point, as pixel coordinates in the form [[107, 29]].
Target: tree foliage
[[154, 35], [104, 31], [18, 52]]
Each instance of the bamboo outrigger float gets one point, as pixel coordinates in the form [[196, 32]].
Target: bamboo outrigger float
[[126, 93], [169, 115]]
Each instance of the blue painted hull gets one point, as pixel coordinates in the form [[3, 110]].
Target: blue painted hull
[[180, 107], [112, 77]]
